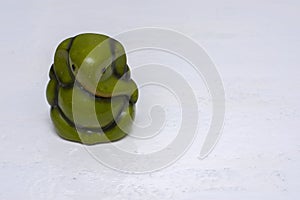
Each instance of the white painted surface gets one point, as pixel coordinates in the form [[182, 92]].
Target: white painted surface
[[255, 45]]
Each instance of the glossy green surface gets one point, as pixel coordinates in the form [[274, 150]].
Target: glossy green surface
[[90, 90], [90, 112]]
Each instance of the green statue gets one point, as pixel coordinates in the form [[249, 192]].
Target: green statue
[[91, 93]]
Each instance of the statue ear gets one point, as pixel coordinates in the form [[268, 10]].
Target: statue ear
[[61, 63], [119, 59]]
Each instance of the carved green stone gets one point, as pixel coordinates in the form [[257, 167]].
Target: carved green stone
[[91, 93]]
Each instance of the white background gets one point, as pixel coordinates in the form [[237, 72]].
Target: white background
[[255, 46]]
